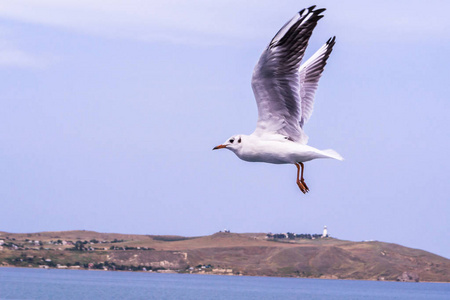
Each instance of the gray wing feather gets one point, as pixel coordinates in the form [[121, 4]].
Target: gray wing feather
[[276, 77], [310, 73]]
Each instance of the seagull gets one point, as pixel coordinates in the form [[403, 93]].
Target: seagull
[[284, 90]]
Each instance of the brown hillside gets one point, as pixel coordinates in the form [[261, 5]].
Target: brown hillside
[[228, 253]]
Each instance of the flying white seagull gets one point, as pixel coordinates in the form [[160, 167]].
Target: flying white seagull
[[284, 92]]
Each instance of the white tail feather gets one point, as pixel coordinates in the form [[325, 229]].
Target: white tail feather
[[333, 154]]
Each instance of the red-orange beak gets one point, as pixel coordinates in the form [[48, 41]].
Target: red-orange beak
[[219, 147]]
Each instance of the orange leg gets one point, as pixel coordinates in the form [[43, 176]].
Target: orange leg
[[303, 180], [300, 181]]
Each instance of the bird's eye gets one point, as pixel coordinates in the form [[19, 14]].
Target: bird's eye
[[231, 141], [239, 140]]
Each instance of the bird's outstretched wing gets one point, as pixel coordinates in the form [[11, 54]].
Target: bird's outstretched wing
[[310, 73], [276, 78]]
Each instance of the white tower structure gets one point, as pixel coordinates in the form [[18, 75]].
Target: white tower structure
[[325, 232]]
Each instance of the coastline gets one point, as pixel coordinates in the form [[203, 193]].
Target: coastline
[[224, 253], [234, 275]]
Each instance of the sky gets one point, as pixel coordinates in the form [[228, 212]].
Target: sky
[[110, 109]]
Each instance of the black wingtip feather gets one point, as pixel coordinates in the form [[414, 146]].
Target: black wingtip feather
[[331, 40], [320, 10], [296, 37], [311, 9]]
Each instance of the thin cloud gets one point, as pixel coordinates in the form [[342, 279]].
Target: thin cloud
[[18, 58], [175, 21], [11, 55], [212, 23], [205, 22]]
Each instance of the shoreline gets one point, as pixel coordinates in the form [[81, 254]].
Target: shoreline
[[234, 275], [224, 253]]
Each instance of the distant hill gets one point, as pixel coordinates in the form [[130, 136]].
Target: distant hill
[[223, 253]]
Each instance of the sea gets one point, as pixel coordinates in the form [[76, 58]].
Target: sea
[[23, 283]]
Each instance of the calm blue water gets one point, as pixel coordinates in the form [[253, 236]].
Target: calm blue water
[[18, 283]]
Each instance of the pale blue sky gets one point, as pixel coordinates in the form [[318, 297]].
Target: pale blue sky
[[110, 110]]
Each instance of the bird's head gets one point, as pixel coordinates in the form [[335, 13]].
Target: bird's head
[[234, 143]]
